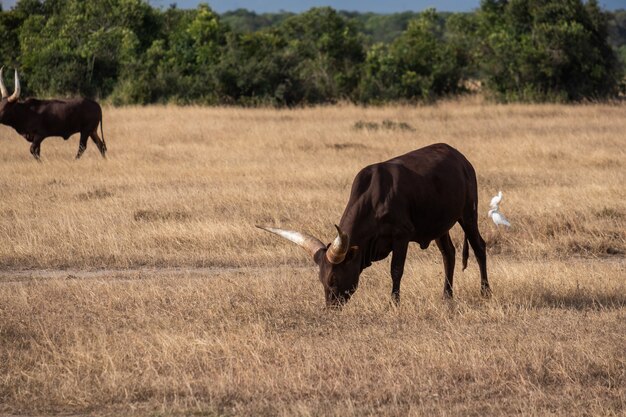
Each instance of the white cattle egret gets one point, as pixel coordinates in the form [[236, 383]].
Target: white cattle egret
[[495, 201], [498, 218]]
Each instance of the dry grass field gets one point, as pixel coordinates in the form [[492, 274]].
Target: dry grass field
[[138, 285]]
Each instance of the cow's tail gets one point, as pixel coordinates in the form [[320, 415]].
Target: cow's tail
[[104, 144], [465, 253]]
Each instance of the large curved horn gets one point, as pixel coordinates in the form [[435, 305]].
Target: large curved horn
[[3, 88], [309, 243], [338, 249], [16, 92]]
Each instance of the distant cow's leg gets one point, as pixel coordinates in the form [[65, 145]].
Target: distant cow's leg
[[480, 251], [35, 147], [82, 145], [397, 267], [444, 243], [99, 143]]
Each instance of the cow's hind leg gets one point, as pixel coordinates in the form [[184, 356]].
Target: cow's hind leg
[[477, 243], [102, 147], [444, 243], [82, 145]]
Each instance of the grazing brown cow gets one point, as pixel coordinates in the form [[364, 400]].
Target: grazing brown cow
[[416, 197], [38, 119]]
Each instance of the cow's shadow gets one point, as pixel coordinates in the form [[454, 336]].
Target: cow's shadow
[[579, 301]]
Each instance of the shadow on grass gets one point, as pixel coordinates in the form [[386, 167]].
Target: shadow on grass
[[580, 300], [539, 299]]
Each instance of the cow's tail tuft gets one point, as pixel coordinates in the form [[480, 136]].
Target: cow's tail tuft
[[465, 253]]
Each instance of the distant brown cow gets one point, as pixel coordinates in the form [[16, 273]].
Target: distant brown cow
[[38, 119], [416, 197]]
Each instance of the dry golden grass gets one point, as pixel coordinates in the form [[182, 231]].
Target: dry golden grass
[[139, 285]]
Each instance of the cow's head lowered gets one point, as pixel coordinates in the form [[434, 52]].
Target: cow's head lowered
[[339, 263]]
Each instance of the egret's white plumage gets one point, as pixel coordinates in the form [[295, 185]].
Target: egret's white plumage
[[495, 201], [498, 218]]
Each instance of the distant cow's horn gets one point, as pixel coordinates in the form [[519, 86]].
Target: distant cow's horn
[[16, 92], [3, 88], [338, 249], [308, 242]]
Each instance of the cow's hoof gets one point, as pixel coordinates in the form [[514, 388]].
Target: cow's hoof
[[394, 304]]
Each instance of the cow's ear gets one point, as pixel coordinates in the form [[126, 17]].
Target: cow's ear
[[352, 252], [319, 256]]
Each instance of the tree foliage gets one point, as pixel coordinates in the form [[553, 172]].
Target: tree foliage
[[128, 52], [535, 50], [422, 64]]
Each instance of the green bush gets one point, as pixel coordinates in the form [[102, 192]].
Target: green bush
[[421, 64], [536, 50], [128, 52]]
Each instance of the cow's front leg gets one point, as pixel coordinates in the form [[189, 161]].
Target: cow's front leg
[[397, 267], [35, 147]]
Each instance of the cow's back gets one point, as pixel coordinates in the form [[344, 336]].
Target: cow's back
[[423, 192], [66, 117], [437, 170]]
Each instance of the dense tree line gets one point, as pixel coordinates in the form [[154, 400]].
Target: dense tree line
[[128, 52]]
